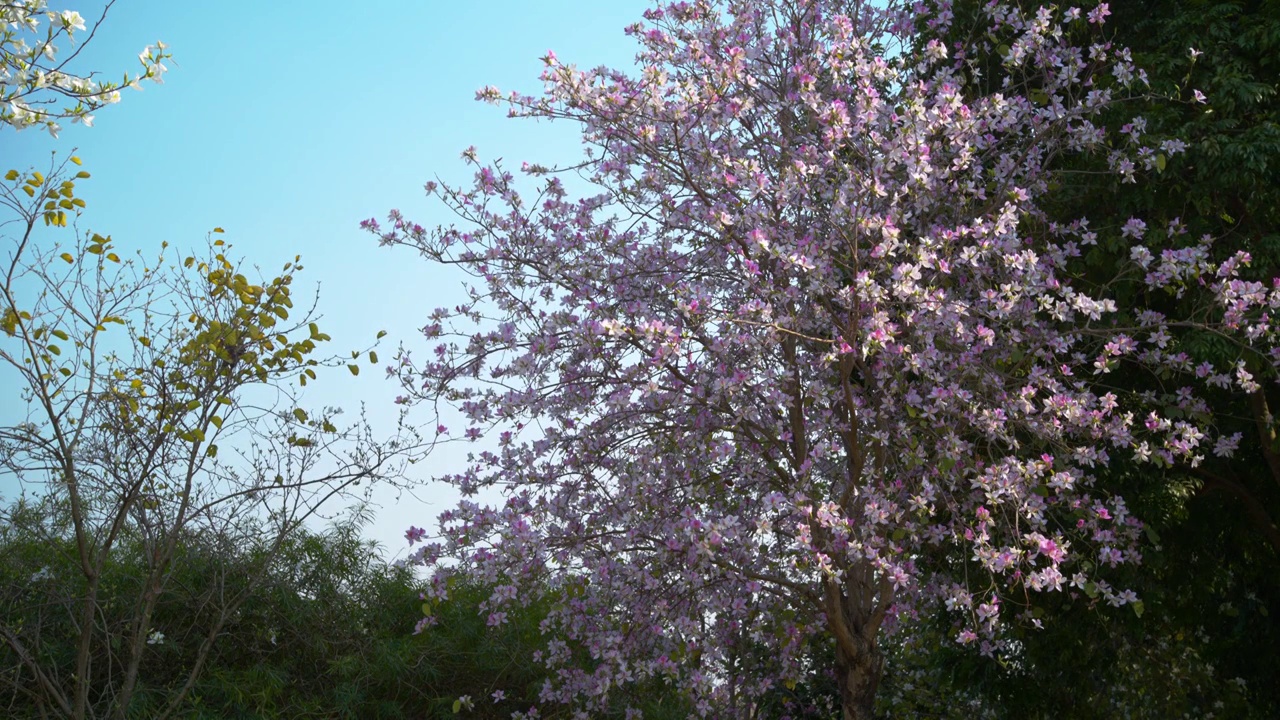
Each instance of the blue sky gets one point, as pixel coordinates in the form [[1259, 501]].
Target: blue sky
[[286, 123]]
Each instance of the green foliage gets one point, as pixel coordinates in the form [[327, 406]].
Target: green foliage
[[327, 632]]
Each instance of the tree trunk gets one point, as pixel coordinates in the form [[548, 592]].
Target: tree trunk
[[859, 676], [855, 609]]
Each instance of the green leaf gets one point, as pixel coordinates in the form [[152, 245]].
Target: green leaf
[[300, 414], [355, 369], [216, 421], [373, 358], [1161, 162], [457, 706], [382, 334], [1138, 608], [1152, 535], [211, 452], [59, 334]]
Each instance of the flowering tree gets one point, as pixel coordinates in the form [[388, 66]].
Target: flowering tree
[[811, 360], [35, 78], [1210, 572]]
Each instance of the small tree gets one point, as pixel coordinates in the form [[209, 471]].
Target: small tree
[[160, 408], [812, 360], [35, 78]]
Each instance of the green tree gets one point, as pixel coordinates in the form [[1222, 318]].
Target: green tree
[[158, 404], [325, 630]]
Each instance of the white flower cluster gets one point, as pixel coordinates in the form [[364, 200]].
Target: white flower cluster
[[34, 79]]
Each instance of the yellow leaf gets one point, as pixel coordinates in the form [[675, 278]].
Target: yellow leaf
[[11, 175], [75, 159], [67, 257], [355, 369], [218, 230], [113, 257]]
